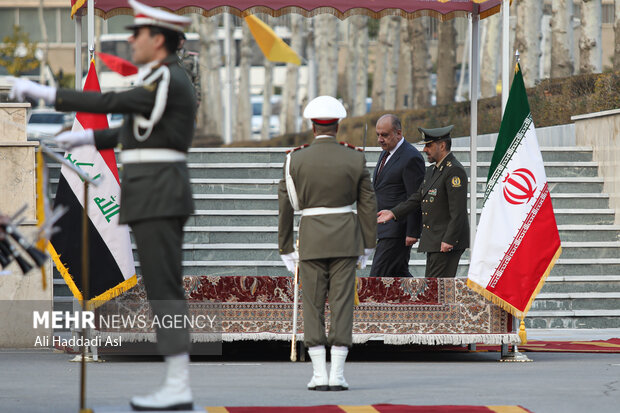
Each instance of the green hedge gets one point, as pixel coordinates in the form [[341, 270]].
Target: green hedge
[[552, 102]]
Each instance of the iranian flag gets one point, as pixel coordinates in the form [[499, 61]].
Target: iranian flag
[[111, 266], [517, 242]]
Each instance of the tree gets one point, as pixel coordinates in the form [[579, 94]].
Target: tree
[[490, 56], [590, 50], [617, 37], [562, 55], [446, 63], [404, 94], [326, 45], [527, 42], [211, 111], [243, 127], [360, 32], [421, 63], [378, 78], [290, 108], [18, 53], [391, 66]]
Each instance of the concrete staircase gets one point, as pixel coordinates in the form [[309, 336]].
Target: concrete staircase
[[234, 229]]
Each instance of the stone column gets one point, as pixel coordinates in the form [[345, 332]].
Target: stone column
[[601, 131], [20, 294]]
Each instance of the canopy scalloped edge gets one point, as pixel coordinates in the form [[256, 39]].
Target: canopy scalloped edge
[[303, 12]]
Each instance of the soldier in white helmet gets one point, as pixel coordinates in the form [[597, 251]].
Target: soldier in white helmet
[[323, 181], [155, 137]]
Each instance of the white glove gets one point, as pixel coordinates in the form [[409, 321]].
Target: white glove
[[23, 88], [70, 139], [363, 259], [290, 260]]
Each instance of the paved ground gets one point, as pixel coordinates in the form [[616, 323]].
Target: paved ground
[[248, 374]]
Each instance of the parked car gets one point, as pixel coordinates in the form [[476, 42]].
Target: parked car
[[115, 120], [45, 123], [257, 116]]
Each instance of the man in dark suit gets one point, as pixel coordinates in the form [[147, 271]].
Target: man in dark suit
[[398, 174], [443, 198], [155, 188]]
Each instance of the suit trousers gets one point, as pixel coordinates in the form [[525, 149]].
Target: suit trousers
[[333, 279], [160, 242], [442, 264], [391, 258]]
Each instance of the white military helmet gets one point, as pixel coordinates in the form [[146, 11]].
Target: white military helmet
[[325, 110], [150, 16]]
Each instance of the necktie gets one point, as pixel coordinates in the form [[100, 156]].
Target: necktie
[[383, 161]]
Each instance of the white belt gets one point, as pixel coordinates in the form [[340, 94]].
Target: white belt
[[326, 211], [151, 155]]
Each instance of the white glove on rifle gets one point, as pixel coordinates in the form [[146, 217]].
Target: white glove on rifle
[[23, 88], [70, 139], [290, 260], [363, 259]]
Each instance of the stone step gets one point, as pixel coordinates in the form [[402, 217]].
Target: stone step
[[564, 266], [576, 301], [575, 185], [268, 233], [270, 201], [273, 170], [211, 155], [278, 154], [581, 284], [269, 251], [573, 319]]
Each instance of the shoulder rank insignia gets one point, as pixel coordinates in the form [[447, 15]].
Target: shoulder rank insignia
[[298, 148], [348, 145], [449, 164], [150, 87], [456, 182]]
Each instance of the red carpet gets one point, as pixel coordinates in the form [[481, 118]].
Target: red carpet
[[596, 346], [376, 408]]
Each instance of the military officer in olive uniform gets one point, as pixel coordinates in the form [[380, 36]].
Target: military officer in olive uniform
[[443, 199], [323, 181], [156, 197]]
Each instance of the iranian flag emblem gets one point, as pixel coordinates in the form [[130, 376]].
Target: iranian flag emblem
[[517, 242]]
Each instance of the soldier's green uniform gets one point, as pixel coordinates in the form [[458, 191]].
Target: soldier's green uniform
[[156, 197], [443, 199], [328, 175]]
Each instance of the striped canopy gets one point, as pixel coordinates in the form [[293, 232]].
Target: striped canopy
[[441, 9]]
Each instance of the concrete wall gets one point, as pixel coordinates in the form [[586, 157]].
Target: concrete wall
[[601, 131], [19, 294]]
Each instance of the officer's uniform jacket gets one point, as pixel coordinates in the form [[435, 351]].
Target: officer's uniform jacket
[[443, 199], [328, 174], [154, 189]]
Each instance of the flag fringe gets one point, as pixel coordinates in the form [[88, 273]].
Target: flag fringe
[[42, 242], [507, 306], [543, 279], [101, 298]]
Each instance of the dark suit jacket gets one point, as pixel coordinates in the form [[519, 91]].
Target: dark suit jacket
[[400, 178], [148, 190], [443, 198]]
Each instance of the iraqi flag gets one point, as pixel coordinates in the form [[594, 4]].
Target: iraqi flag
[[111, 266], [517, 242]]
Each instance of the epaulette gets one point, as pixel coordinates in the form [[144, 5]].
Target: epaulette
[[348, 145], [297, 148]]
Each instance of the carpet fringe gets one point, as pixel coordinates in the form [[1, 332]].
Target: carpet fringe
[[398, 339]]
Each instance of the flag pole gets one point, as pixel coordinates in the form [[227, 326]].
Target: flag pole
[[473, 93], [505, 53]]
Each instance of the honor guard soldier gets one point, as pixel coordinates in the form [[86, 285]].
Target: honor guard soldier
[[443, 199], [324, 180], [155, 188]]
